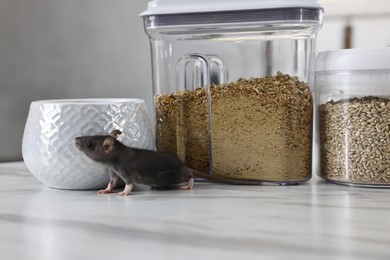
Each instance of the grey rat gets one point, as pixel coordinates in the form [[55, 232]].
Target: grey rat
[[134, 165]]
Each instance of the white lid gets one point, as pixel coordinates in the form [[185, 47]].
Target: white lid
[[156, 7], [354, 59]]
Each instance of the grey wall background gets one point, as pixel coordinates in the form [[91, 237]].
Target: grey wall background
[[97, 48], [67, 49]]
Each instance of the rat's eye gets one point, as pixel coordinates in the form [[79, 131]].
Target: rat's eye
[[90, 145]]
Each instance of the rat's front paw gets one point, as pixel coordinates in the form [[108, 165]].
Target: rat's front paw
[[126, 191], [105, 191], [122, 193]]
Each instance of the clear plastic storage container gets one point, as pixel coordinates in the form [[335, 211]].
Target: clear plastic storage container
[[353, 95], [230, 85]]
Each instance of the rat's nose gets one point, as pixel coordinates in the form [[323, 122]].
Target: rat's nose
[[77, 143]]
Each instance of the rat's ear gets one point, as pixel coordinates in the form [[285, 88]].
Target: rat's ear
[[115, 133], [108, 144]]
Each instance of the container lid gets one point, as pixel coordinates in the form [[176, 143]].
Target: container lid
[[354, 59], [160, 7]]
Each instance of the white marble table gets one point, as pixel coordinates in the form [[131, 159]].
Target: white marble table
[[213, 221]]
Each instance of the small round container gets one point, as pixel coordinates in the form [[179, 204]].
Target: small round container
[[353, 108], [48, 145], [231, 84]]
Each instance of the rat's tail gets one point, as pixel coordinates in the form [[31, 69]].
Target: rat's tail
[[198, 174]]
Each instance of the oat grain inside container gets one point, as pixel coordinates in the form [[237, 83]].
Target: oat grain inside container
[[353, 100], [232, 85]]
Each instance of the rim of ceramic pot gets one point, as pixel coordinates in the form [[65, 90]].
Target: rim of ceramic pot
[[89, 101]]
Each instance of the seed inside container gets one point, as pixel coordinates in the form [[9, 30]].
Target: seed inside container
[[355, 142], [261, 128]]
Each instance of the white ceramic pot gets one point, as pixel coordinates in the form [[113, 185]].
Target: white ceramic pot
[[48, 142]]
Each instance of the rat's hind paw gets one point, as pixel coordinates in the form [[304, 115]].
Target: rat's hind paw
[[189, 186]]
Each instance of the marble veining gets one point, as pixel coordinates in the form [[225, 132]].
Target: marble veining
[[317, 220]]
